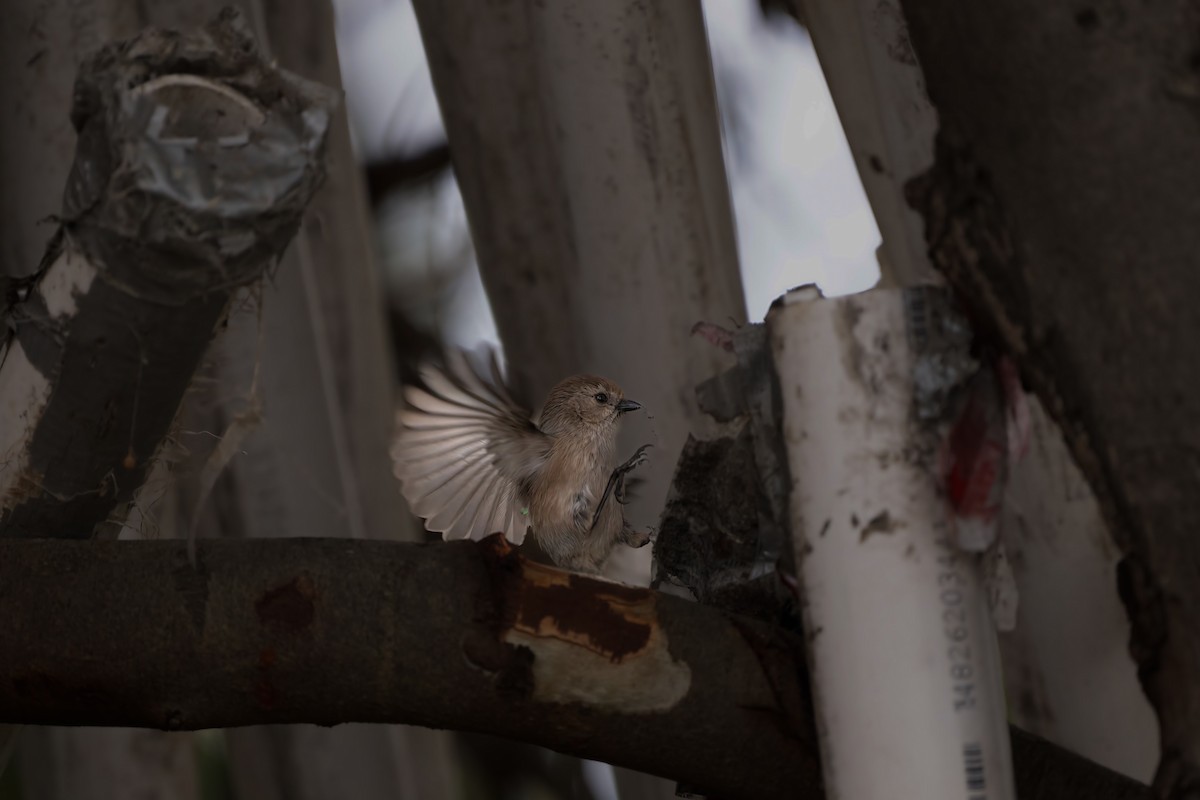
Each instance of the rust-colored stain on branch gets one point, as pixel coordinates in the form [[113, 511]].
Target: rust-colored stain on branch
[[591, 641], [288, 608], [265, 692], [612, 621]]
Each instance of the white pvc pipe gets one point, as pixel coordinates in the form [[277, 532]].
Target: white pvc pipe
[[905, 669]]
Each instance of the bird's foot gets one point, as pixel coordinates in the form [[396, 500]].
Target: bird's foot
[[616, 481], [636, 460]]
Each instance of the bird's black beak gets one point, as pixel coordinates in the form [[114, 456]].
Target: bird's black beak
[[628, 405]]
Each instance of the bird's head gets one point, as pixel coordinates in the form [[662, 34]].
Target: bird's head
[[584, 404]]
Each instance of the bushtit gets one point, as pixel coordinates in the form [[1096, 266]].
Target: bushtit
[[472, 462]]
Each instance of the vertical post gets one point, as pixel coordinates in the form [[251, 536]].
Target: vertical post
[[586, 143], [905, 673], [42, 42], [879, 92], [315, 462]]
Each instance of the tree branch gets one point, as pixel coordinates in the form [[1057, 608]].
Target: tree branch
[[458, 635]]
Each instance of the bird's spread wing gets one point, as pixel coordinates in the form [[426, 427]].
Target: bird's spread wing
[[463, 450]]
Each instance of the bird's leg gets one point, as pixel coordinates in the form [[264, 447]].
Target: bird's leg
[[619, 490], [624, 484], [622, 472], [616, 481]]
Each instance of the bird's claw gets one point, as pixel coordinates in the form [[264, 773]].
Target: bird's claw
[[623, 487], [616, 481], [638, 458]]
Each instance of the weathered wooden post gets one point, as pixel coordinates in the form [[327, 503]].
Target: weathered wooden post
[[586, 143]]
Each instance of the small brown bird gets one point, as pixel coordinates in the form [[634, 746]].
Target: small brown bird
[[472, 462]]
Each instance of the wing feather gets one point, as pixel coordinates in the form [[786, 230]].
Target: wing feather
[[442, 387], [472, 507], [460, 407], [445, 470], [508, 516], [498, 380], [443, 504], [459, 447], [489, 507], [463, 450]]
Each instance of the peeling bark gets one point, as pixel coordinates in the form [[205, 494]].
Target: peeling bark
[[1063, 206], [723, 533]]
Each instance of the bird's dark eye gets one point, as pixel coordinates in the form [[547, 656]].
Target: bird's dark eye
[[601, 397]]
